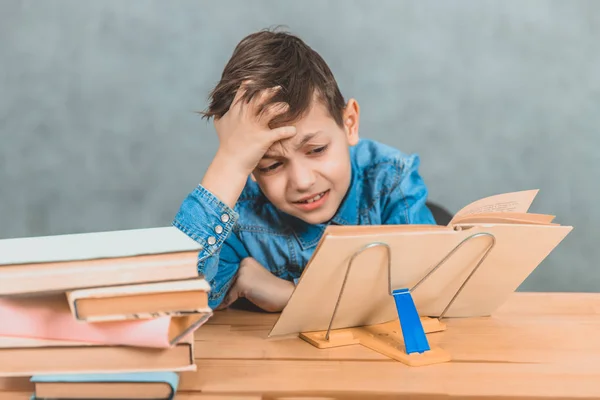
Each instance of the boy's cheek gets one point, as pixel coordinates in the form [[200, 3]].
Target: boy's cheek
[[337, 169], [275, 192]]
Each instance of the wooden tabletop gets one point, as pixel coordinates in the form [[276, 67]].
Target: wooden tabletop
[[538, 345]]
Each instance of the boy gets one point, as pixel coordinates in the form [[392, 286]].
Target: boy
[[289, 163]]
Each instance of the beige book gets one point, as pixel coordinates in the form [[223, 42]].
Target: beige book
[[60, 276], [27, 357], [518, 248], [506, 218], [141, 301], [56, 263]]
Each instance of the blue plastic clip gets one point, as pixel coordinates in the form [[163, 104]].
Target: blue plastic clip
[[413, 333]]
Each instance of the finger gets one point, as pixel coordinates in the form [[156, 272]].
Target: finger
[[227, 301], [236, 106], [239, 94], [266, 94], [273, 110], [282, 133], [232, 294], [262, 98], [224, 304]]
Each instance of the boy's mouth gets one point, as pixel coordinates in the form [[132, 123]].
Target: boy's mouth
[[311, 199], [313, 202]]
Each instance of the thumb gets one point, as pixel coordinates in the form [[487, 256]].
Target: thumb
[[229, 299], [284, 132]]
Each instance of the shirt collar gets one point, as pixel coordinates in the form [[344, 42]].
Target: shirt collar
[[308, 235]]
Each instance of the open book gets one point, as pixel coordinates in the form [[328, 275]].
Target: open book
[[499, 229]]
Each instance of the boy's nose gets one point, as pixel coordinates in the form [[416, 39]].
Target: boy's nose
[[302, 178]]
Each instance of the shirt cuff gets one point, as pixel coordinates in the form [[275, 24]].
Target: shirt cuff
[[205, 219]]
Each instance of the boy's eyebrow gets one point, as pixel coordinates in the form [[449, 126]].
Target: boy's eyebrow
[[307, 137]]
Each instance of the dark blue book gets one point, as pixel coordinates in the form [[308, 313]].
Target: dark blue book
[[136, 385]]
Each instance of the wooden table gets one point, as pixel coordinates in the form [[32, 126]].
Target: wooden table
[[538, 345]]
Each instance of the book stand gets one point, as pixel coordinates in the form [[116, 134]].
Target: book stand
[[402, 339]]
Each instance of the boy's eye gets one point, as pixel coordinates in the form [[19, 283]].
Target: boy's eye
[[270, 167], [318, 150]]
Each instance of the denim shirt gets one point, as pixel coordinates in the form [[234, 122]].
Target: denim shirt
[[385, 188]]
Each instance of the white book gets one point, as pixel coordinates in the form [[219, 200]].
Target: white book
[[95, 245]]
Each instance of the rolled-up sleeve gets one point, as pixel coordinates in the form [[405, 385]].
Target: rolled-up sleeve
[[210, 222]]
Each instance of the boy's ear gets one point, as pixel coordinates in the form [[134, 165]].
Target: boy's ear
[[351, 121]]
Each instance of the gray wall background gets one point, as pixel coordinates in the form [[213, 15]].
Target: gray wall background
[[97, 100]]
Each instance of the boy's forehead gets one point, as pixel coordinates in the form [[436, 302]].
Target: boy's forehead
[[312, 117], [317, 114], [315, 124], [294, 143], [316, 118]]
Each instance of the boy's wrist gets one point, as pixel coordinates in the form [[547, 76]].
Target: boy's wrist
[[232, 161], [225, 178], [261, 287]]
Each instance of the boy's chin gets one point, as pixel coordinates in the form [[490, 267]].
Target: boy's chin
[[315, 218]]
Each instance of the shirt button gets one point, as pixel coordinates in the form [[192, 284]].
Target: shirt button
[[225, 217], [218, 229], [212, 240]]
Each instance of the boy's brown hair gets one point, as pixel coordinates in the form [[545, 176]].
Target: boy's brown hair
[[277, 58]]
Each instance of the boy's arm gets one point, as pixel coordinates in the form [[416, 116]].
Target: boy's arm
[[223, 259], [259, 286], [209, 221], [405, 201], [244, 138], [207, 214]]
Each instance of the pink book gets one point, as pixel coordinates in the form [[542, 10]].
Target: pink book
[[49, 317]]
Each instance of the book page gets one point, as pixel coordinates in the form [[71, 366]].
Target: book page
[[517, 202], [505, 217], [187, 285]]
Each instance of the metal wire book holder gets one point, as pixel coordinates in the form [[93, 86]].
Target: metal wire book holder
[[403, 339]]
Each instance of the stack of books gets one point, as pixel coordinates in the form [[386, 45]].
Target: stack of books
[[103, 314]]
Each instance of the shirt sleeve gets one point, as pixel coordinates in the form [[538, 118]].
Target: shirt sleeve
[[210, 222], [406, 201]]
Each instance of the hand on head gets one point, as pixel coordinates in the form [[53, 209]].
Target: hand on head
[[244, 133]]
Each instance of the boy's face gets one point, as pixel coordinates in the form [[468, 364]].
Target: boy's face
[[308, 175]]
